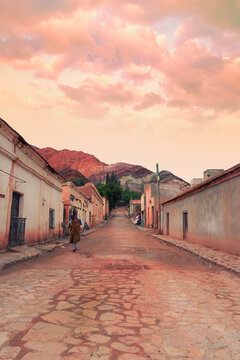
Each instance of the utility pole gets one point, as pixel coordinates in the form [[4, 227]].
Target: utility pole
[[159, 203]]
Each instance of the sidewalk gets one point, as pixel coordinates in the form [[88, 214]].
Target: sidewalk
[[216, 257], [27, 252]]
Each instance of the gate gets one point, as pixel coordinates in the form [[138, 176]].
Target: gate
[[17, 231], [17, 226]]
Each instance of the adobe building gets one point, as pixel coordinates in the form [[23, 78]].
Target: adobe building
[[75, 203], [134, 207], [143, 205], [91, 192], [31, 205], [105, 207], [150, 200], [208, 213]]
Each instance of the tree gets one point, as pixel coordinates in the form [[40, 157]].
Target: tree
[[112, 190], [127, 195], [101, 189], [114, 179]]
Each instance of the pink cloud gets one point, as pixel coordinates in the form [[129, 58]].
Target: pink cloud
[[124, 44], [103, 37], [148, 101], [17, 47], [68, 34], [138, 75], [94, 93], [43, 67], [222, 13], [26, 13], [198, 77], [218, 40], [85, 37], [179, 103]]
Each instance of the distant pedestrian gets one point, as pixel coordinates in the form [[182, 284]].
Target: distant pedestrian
[[75, 233]]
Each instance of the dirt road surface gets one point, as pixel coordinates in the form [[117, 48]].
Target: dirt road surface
[[123, 295]]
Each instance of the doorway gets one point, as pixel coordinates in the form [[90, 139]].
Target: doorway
[[17, 224], [185, 225], [167, 220], [152, 217]]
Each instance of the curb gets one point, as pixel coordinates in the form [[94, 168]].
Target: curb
[[18, 255], [100, 226], [19, 260], [199, 254]]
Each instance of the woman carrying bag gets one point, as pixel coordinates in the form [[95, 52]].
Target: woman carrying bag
[[75, 233]]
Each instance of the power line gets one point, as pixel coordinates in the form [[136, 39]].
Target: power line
[[15, 177]]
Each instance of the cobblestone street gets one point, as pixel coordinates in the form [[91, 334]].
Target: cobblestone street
[[124, 295]]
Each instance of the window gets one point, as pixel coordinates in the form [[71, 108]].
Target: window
[[51, 218], [90, 215]]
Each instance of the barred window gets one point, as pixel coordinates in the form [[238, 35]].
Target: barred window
[[51, 218]]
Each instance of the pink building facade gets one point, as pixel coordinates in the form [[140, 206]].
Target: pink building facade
[[150, 213], [105, 208], [207, 214], [31, 205], [96, 200], [134, 207], [75, 203], [151, 208]]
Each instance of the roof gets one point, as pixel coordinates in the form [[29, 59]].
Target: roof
[[88, 189], [215, 180], [23, 141], [70, 184]]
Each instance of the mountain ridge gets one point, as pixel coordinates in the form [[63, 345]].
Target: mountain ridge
[[79, 163]]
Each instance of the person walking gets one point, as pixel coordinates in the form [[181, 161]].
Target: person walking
[[75, 233]]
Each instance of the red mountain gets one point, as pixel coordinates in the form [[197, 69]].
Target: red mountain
[[120, 169], [68, 173], [84, 163], [88, 165]]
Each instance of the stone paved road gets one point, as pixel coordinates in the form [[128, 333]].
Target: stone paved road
[[123, 296]]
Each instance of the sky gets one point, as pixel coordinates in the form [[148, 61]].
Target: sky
[[135, 81]]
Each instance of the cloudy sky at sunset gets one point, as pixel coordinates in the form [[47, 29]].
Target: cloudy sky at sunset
[[139, 81]]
